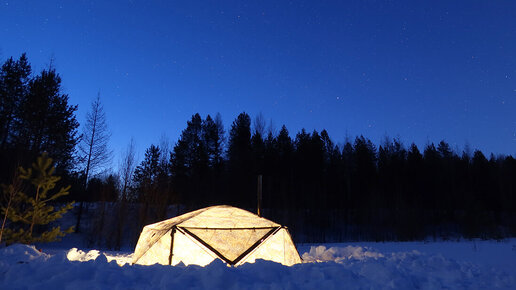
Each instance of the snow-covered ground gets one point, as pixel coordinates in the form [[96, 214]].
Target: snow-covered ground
[[364, 265]]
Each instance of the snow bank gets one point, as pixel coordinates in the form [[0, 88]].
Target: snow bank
[[321, 254], [350, 267], [75, 254], [21, 254]]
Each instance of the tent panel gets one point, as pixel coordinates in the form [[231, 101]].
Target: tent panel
[[188, 251], [230, 243], [153, 232], [278, 248], [227, 217], [147, 239], [169, 223], [158, 252], [291, 254]]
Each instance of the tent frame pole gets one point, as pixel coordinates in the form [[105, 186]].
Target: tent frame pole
[[259, 242], [172, 233], [189, 233]]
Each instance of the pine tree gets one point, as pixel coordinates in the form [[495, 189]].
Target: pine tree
[[46, 122], [32, 211], [14, 79]]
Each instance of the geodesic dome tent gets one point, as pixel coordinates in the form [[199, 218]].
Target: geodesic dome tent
[[233, 235]]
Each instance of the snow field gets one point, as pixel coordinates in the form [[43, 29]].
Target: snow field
[[336, 266]]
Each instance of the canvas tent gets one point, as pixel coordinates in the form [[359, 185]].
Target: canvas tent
[[233, 235]]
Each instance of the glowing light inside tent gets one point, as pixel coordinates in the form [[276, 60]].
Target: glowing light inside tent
[[231, 234]]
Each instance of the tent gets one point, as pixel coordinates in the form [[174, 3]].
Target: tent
[[233, 235]]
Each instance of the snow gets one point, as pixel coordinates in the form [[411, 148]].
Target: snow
[[364, 265]]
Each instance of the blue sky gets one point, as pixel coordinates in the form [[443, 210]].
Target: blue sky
[[422, 71]]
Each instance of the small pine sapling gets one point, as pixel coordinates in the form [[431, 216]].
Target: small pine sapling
[[32, 210]]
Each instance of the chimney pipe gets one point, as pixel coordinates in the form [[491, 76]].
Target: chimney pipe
[[259, 195]]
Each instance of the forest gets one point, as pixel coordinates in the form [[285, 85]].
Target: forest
[[323, 190]]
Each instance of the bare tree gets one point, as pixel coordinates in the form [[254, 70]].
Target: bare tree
[[93, 147], [126, 172], [259, 124], [271, 129], [164, 146]]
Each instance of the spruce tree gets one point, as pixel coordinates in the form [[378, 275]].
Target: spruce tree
[[146, 174], [240, 160], [213, 140], [239, 147], [32, 211]]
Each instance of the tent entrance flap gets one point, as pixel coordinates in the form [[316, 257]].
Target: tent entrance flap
[[230, 244]]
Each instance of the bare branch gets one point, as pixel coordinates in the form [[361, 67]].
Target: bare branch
[[93, 148]]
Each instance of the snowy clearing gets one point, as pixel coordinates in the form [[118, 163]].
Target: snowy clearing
[[365, 265]]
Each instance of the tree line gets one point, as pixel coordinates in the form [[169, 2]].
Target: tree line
[[321, 190], [357, 189]]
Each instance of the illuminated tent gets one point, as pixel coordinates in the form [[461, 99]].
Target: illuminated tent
[[233, 235]]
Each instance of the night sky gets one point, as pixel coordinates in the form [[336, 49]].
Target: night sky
[[420, 72]]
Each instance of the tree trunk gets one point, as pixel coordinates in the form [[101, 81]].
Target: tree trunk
[[5, 217], [31, 228], [120, 225]]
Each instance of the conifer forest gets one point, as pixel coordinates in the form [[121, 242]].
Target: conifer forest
[[324, 190]]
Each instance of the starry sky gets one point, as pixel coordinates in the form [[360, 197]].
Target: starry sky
[[421, 71]]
